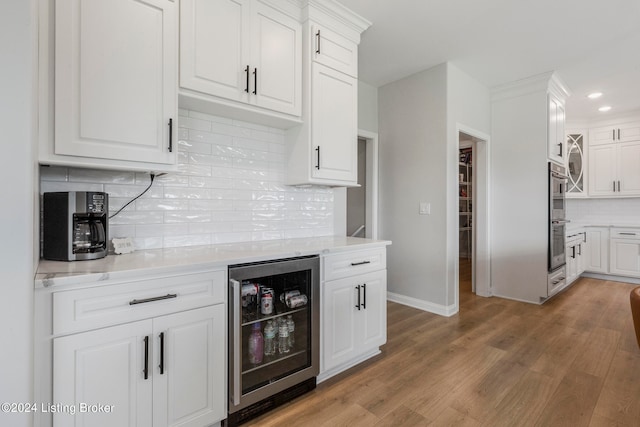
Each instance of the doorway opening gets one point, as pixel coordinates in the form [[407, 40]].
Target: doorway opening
[[473, 266], [465, 214], [362, 201]]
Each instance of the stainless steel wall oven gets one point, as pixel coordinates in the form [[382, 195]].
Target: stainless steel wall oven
[[273, 334], [557, 216]]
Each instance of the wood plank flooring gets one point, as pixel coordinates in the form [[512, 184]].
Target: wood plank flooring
[[571, 362]]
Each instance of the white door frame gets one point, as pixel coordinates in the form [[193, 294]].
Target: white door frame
[[481, 259], [371, 213]]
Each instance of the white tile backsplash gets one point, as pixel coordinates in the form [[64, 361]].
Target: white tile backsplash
[[229, 188], [604, 211]]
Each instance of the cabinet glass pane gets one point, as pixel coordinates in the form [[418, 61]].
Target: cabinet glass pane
[[575, 163], [289, 355]]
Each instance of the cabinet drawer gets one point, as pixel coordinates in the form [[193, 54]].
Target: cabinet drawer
[[91, 308], [625, 233], [353, 263]]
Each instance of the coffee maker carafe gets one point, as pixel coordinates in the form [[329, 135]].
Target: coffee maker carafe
[[75, 225]]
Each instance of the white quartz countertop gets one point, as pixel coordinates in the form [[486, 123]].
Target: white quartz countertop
[[155, 261], [574, 226]]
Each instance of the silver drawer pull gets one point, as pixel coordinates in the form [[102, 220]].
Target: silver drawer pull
[[353, 264], [143, 301]]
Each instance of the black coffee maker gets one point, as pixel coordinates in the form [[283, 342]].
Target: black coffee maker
[[75, 225]]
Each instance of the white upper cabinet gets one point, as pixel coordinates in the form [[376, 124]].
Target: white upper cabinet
[[214, 47], [243, 56], [617, 133], [323, 150], [556, 136], [334, 128], [115, 83], [576, 157], [613, 169], [334, 50]]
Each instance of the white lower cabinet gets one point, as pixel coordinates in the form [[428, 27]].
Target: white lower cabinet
[[576, 254], [354, 317], [625, 252], [597, 259], [354, 309], [165, 371], [146, 352]]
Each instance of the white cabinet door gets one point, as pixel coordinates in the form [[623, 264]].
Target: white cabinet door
[[597, 250], [373, 331], [613, 169], [334, 51], [115, 84], [555, 137], [618, 133], [581, 258], [625, 257], [277, 60], [576, 157], [603, 135], [190, 347], [354, 317], [214, 47], [334, 125], [339, 322], [629, 168], [241, 50], [104, 367], [602, 170], [572, 265]]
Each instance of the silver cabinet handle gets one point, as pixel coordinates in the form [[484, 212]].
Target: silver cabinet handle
[[146, 300]]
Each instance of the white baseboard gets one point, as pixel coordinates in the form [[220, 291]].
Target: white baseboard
[[611, 278], [441, 310]]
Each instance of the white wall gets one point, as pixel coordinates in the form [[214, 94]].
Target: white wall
[[468, 107], [17, 172], [418, 119], [413, 152], [367, 107]]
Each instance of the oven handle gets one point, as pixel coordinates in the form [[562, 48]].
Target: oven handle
[[560, 221], [237, 330], [559, 175]]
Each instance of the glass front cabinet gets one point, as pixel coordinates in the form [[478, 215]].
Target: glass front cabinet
[[576, 163]]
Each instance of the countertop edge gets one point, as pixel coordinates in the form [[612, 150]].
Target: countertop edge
[[62, 275]]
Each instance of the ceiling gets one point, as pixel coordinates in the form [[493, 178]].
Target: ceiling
[[592, 45]]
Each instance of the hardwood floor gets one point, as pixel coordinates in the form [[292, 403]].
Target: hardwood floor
[[571, 362]]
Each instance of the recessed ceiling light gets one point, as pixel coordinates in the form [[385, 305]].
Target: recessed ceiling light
[[604, 108], [594, 95]]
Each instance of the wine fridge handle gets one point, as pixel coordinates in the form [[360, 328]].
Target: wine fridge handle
[[237, 330]]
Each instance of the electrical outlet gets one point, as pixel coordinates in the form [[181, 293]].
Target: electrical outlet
[[425, 208]]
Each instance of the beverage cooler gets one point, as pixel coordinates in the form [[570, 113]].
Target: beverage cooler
[[273, 334]]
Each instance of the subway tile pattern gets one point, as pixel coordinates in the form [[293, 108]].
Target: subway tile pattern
[[604, 211], [229, 188]]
